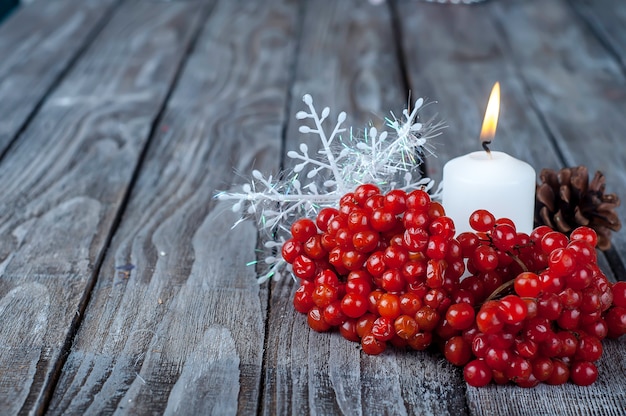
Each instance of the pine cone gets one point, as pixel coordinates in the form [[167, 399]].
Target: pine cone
[[566, 200]]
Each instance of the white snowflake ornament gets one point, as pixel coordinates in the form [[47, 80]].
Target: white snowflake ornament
[[389, 160]]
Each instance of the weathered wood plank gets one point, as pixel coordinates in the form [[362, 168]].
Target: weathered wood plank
[[63, 184], [347, 61], [579, 89], [607, 19], [456, 64], [37, 45], [183, 330]]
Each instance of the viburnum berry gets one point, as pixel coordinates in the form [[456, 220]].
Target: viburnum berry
[[324, 217], [303, 229], [583, 373], [460, 316], [457, 351], [418, 200], [387, 269], [482, 220], [477, 373]]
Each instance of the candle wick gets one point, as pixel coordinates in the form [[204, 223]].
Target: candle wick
[[486, 144]]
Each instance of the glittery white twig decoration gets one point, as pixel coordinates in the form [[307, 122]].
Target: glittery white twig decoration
[[389, 160]]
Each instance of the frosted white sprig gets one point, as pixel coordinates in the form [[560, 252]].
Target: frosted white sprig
[[388, 159]]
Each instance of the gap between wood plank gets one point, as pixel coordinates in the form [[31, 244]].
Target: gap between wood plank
[[91, 36], [596, 30], [293, 70], [399, 47], [84, 303], [618, 267]]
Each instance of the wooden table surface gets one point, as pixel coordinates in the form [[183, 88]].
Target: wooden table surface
[[122, 287]]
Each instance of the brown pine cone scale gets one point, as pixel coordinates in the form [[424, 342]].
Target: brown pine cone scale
[[566, 200]]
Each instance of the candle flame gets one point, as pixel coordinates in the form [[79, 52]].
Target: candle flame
[[490, 123]]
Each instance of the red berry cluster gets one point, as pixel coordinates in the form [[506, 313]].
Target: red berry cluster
[[549, 328], [389, 269]]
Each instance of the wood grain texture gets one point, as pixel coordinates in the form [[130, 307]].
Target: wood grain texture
[[347, 61], [607, 19], [37, 44], [182, 329], [463, 61], [454, 55], [63, 184], [578, 87]]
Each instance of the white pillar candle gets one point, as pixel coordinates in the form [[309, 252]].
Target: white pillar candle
[[493, 181]]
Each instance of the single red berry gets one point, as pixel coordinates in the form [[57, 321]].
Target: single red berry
[[583, 251], [291, 249], [512, 309], [405, 326], [365, 241], [333, 314], [497, 358], [437, 247], [353, 260], [364, 324], [427, 319], [553, 240], [316, 321], [303, 299], [585, 234], [482, 220], [324, 217], [392, 280], [504, 237], [549, 306], [418, 200], [383, 329], [589, 348], [435, 273], [348, 330], [304, 267], [485, 258], [313, 247], [436, 210], [583, 373], [527, 284], [354, 305], [388, 306], [488, 319], [372, 345], [443, 226], [382, 220], [327, 277], [460, 316], [303, 229], [324, 295], [457, 351], [562, 261], [363, 192], [542, 368], [415, 219], [519, 369], [414, 270], [395, 256], [421, 340], [469, 242], [395, 201], [359, 282], [410, 303], [415, 239], [477, 373]]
